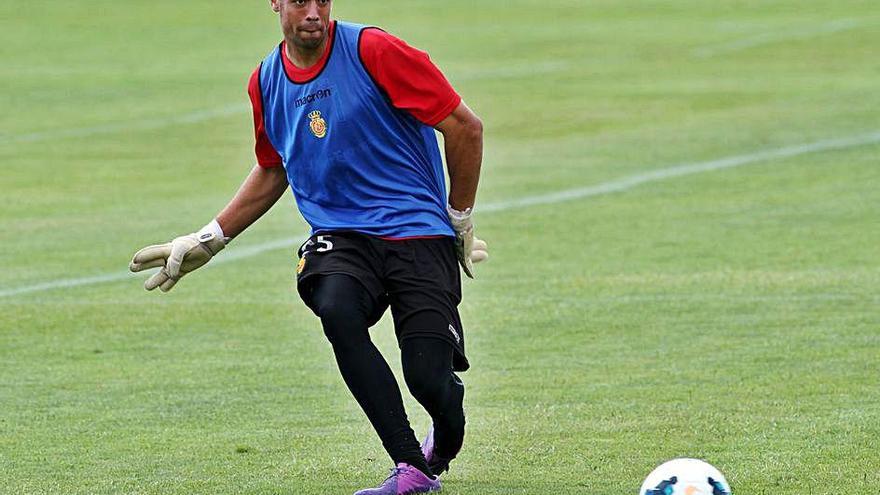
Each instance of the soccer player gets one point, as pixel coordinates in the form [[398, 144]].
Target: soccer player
[[345, 115]]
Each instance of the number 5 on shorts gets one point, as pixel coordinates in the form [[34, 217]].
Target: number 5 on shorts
[[324, 244]]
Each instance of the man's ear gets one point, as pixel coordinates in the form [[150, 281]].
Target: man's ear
[[276, 5]]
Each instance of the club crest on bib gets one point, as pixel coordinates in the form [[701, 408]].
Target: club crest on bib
[[301, 265], [317, 124]]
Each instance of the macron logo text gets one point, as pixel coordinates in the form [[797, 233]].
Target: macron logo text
[[317, 95]]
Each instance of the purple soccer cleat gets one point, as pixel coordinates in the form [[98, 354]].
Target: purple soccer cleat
[[437, 464], [404, 480]]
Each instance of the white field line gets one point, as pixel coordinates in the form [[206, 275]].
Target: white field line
[[613, 186], [239, 253], [683, 169], [827, 28], [133, 125]]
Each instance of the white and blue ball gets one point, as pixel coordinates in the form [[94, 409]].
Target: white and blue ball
[[685, 477]]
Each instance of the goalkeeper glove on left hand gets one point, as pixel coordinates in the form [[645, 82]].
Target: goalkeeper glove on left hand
[[469, 249]]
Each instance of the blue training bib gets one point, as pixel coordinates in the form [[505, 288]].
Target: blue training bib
[[354, 162]]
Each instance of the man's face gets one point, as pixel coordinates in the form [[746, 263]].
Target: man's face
[[304, 22]]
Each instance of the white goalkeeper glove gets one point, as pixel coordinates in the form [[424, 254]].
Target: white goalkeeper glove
[[178, 257], [469, 249]]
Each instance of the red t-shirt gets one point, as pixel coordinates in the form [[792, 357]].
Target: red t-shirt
[[412, 82]]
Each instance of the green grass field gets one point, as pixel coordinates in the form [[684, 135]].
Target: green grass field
[[731, 314]]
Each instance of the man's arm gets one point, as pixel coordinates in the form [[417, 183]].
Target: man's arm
[[415, 85], [257, 194], [261, 189], [463, 134]]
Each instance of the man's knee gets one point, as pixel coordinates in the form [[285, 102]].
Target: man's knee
[[425, 384], [339, 302], [337, 319], [427, 368], [334, 309]]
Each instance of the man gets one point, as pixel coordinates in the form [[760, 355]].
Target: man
[[345, 115]]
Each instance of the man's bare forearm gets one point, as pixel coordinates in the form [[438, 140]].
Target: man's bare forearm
[[261, 189], [463, 136]]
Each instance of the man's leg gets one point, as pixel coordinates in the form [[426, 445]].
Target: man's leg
[[427, 368], [345, 306], [424, 288]]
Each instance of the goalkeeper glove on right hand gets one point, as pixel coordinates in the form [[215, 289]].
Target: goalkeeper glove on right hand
[[178, 257]]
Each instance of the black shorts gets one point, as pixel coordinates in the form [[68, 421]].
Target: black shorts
[[418, 278]]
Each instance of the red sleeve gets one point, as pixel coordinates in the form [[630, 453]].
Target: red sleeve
[[266, 154], [407, 75]]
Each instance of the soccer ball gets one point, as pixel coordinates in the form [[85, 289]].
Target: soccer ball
[[685, 477]]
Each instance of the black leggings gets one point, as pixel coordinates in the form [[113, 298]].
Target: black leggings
[[344, 307]]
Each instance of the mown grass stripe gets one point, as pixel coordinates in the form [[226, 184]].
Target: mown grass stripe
[[618, 185]]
